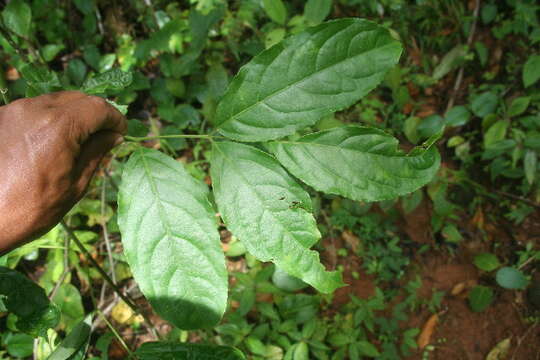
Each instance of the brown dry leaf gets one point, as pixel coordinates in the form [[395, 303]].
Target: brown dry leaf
[[500, 351], [262, 297], [407, 108], [461, 286], [351, 240], [458, 288], [427, 331], [12, 74]]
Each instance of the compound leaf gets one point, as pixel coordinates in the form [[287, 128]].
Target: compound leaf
[[170, 240], [269, 212], [306, 77], [360, 163], [28, 301], [186, 351]]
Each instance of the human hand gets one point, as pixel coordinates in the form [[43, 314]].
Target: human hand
[[50, 147]]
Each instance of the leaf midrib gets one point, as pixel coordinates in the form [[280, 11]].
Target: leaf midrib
[[404, 156], [260, 200], [258, 102]]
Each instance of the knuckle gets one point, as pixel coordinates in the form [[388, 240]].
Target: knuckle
[[98, 101]]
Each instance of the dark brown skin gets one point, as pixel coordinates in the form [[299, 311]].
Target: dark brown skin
[[51, 146]]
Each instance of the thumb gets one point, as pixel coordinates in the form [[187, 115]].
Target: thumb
[[92, 151]]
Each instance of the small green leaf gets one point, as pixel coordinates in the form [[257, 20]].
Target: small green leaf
[[367, 349], [451, 234], [275, 9], [316, 11], [489, 11], [17, 17], [74, 342], [301, 352], [495, 133], [269, 212], [69, 301], [255, 346], [450, 61], [430, 125], [123, 109], [410, 129], [76, 71], [305, 78], [529, 165], [510, 278], [531, 70], [50, 51], [484, 104], [114, 79], [171, 241], [40, 80], [186, 351], [360, 163], [457, 116], [519, 105], [28, 301], [480, 298], [486, 261], [20, 345]]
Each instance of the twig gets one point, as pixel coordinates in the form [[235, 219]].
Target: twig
[[105, 231], [459, 77], [102, 272], [118, 337], [111, 180], [59, 282], [180, 136], [106, 277], [519, 198]]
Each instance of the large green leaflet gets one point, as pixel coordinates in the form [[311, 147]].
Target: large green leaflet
[[306, 77], [29, 302], [360, 163], [186, 351], [171, 241], [269, 212]]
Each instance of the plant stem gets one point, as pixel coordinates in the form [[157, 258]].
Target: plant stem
[[117, 335], [184, 136], [102, 272]]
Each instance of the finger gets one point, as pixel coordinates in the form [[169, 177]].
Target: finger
[[61, 98], [91, 114], [92, 152]]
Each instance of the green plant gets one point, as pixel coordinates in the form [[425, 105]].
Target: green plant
[[165, 217], [158, 199]]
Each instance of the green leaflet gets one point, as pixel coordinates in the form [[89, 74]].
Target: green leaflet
[[306, 77], [360, 163], [269, 212], [114, 79], [28, 301], [17, 17], [171, 241], [186, 351]]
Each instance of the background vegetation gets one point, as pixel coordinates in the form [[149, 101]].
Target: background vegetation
[[448, 272]]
